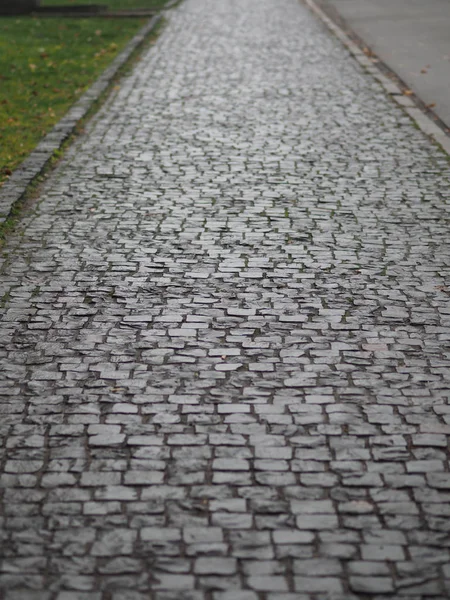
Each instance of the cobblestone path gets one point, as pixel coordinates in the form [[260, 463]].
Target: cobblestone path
[[225, 334]]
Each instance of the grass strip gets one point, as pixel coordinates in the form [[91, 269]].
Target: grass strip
[[111, 4], [32, 192], [45, 66]]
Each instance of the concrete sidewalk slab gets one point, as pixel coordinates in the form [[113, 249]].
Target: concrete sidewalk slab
[[412, 37]]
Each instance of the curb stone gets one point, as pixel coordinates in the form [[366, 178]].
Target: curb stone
[[171, 4], [15, 187], [423, 121]]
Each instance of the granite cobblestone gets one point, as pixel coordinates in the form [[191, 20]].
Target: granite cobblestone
[[224, 333]]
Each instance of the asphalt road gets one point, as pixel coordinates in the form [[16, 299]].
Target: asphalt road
[[412, 37]]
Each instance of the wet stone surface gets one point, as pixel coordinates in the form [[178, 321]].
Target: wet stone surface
[[225, 330]]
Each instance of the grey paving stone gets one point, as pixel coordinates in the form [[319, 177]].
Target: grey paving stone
[[224, 333]]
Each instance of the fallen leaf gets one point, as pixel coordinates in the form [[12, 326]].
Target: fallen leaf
[[32, 67], [100, 53]]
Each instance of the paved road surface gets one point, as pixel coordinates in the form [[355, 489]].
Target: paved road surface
[[412, 37], [225, 334]]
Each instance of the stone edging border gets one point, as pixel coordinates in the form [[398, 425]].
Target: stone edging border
[[171, 4], [15, 187], [423, 121]]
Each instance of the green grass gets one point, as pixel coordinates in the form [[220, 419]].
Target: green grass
[[45, 65], [112, 4]]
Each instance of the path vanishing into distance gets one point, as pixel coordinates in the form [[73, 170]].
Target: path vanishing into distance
[[225, 333]]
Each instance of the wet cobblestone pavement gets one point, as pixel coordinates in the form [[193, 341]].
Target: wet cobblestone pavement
[[225, 334]]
